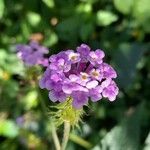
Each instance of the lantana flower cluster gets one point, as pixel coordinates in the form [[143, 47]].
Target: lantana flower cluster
[[82, 75], [32, 54]]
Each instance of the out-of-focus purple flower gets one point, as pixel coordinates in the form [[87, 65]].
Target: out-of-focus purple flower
[[20, 120], [44, 62], [81, 75], [32, 54]]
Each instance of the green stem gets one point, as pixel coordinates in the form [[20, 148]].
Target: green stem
[[66, 135], [80, 141], [54, 133], [55, 138]]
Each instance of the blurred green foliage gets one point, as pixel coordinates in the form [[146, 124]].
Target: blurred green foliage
[[120, 28]]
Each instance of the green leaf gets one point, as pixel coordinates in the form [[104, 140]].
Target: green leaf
[[105, 18], [124, 6], [68, 29], [51, 38], [147, 142], [2, 7], [10, 63], [8, 128], [26, 30], [33, 18], [11, 89], [3, 56], [125, 136], [14, 65], [31, 99], [86, 31], [49, 3], [84, 7], [126, 61], [141, 13], [142, 9]]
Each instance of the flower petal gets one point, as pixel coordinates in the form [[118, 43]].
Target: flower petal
[[79, 99], [92, 84]]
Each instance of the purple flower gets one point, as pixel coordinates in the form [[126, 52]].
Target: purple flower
[[69, 87], [108, 71], [73, 57], [57, 96], [81, 75], [20, 120], [60, 62], [83, 78], [96, 74], [84, 51], [80, 98], [95, 93], [45, 78], [32, 54], [111, 91], [44, 62], [96, 57]]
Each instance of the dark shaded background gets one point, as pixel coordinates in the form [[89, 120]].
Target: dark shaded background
[[120, 28]]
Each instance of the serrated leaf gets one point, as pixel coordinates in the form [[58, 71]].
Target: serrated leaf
[[105, 18], [124, 6]]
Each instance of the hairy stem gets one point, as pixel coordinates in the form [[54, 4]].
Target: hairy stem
[[66, 135]]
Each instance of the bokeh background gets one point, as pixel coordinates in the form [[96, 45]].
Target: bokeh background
[[120, 27]]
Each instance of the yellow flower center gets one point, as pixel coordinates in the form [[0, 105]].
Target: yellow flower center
[[73, 57], [95, 73], [84, 77]]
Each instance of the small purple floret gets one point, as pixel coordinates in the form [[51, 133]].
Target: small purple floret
[[80, 74], [32, 54]]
